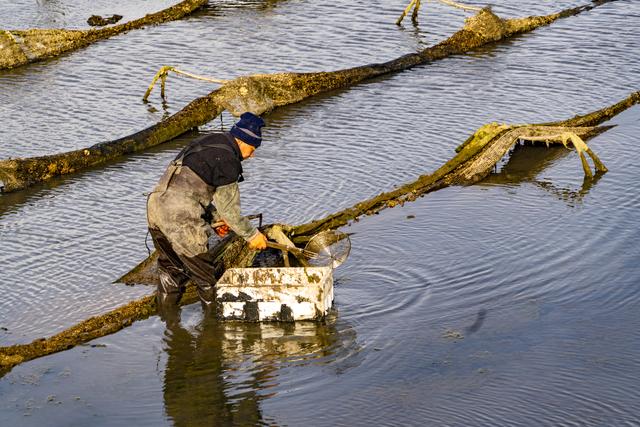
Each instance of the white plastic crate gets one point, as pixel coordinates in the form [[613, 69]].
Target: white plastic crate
[[275, 294]]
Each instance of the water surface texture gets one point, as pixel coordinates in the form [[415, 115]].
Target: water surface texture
[[511, 302]]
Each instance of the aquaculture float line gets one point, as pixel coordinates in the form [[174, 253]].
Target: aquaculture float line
[[475, 159], [20, 47], [261, 93]]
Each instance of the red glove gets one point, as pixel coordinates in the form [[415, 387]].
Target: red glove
[[222, 230]]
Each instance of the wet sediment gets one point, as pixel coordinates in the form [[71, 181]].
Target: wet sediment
[[263, 92], [474, 161], [20, 47]]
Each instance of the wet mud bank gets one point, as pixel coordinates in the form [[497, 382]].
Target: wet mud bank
[[475, 159], [20, 47], [263, 92]]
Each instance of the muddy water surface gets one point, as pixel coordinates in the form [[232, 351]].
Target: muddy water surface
[[513, 302]]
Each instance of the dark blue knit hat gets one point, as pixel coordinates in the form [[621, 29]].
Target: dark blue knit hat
[[248, 129]]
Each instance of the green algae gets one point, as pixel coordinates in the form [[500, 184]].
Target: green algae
[[453, 334]]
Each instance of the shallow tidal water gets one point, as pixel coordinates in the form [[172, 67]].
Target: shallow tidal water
[[510, 302]]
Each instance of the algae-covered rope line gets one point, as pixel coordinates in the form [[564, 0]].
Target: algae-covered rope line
[[260, 93], [234, 253]]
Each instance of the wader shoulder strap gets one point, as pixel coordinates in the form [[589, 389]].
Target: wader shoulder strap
[[198, 148]]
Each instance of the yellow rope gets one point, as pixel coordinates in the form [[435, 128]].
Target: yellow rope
[[414, 16], [416, 5], [406, 10], [459, 5], [195, 76], [164, 72]]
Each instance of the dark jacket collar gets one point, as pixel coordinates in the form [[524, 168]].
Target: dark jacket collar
[[231, 140]]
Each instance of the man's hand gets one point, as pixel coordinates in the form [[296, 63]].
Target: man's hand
[[258, 243]]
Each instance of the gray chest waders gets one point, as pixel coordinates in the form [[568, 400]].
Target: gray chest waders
[[177, 230], [172, 170]]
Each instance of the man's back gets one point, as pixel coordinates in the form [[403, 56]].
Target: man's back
[[215, 158]]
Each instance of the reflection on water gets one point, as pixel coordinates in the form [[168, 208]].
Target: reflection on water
[[571, 197], [196, 378], [207, 373], [526, 162], [218, 373]]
